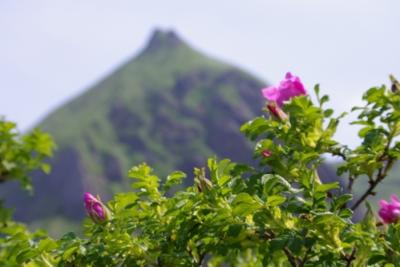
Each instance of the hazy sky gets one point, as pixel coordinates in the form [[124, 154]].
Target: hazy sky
[[50, 51]]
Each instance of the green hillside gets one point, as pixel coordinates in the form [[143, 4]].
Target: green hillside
[[169, 106]]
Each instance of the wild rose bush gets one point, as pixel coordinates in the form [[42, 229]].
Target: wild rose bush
[[280, 213]]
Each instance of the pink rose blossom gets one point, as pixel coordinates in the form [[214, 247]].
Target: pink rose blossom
[[290, 87], [95, 208], [389, 212]]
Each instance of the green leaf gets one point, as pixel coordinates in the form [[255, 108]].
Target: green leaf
[[46, 245], [70, 251], [275, 200], [328, 218], [235, 229], [328, 113], [278, 243], [26, 255], [342, 200], [369, 221], [46, 168], [295, 244], [346, 213], [326, 187], [244, 204], [376, 259], [147, 182], [275, 183], [374, 94], [317, 90], [324, 99], [174, 178]]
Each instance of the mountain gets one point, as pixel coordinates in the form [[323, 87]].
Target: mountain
[[170, 106]]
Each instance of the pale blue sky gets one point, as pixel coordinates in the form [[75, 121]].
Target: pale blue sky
[[50, 51]]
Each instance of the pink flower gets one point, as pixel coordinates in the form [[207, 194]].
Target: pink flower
[[290, 87], [95, 208], [266, 153], [389, 212]]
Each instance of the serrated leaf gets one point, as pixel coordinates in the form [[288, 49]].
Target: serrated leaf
[[174, 178], [326, 187], [244, 204], [275, 200], [328, 113]]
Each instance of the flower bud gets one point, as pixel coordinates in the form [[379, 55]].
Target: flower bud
[[97, 211], [201, 181], [276, 111], [395, 84], [266, 153], [389, 212]]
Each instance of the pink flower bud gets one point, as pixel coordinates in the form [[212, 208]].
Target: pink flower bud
[[290, 87], [97, 211], [266, 153], [389, 212], [276, 111]]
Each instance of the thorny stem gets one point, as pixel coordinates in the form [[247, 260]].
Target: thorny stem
[[193, 257], [305, 259], [201, 258], [351, 182], [290, 257], [2, 177], [294, 261], [340, 154], [350, 257], [382, 173]]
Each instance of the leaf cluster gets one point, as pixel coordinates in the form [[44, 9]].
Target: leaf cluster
[[280, 213]]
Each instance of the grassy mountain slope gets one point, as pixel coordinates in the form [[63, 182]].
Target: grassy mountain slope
[[170, 106]]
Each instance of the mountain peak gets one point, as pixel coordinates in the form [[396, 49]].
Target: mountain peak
[[163, 39], [171, 100]]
